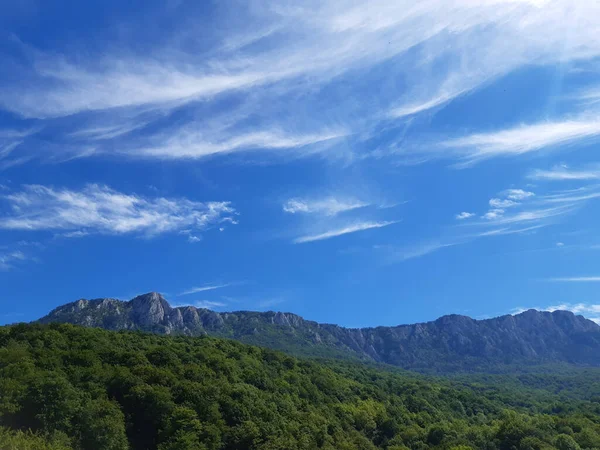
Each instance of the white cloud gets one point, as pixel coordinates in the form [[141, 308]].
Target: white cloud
[[522, 139], [493, 214], [593, 279], [560, 244], [532, 215], [572, 196], [512, 198], [107, 131], [589, 95], [518, 194], [11, 141], [329, 206], [437, 50], [563, 173], [537, 211], [188, 144], [74, 234], [425, 105], [100, 209], [517, 211], [404, 254], [353, 228], [464, 215], [211, 287], [501, 203], [507, 230], [114, 83], [7, 260]]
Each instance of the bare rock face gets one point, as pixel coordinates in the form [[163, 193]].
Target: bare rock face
[[448, 344], [80, 304], [176, 318], [211, 320], [150, 309], [190, 316], [286, 319]]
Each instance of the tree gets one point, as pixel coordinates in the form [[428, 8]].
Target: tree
[[566, 442], [103, 426]]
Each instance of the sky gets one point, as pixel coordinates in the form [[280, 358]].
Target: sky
[[358, 166]]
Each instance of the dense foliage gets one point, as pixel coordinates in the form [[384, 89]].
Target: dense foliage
[[63, 386]]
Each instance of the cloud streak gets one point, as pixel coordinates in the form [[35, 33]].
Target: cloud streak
[[353, 228], [523, 139], [187, 144], [329, 206], [418, 251], [563, 173], [211, 287], [594, 279]]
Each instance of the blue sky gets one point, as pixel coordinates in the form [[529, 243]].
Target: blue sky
[[360, 166]]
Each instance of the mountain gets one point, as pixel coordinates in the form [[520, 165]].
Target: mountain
[[450, 343]]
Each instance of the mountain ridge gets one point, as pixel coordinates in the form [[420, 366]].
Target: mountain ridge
[[450, 343]]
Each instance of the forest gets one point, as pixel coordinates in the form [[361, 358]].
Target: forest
[[67, 387]]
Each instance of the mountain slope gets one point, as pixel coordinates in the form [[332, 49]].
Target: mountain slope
[[450, 343]]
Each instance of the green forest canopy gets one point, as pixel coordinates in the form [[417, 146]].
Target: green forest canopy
[[63, 387]]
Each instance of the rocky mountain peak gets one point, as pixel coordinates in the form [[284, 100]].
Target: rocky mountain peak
[[149, 309]]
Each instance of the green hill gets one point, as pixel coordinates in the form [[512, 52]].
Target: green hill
[[65, 386]]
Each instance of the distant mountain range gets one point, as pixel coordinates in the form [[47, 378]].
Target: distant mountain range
[[450, 343]]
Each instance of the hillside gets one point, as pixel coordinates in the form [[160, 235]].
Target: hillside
[[451, 343], [69, 387]]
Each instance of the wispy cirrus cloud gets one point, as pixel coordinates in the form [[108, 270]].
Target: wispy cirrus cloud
[[507, 230], [564, 173], [586, 279], [513, 212], [352, 228], [572, 196], [10, 141], [184, 144], [425, 105], [589, 95], [210, 287], [329, 206], [404, 253], [277, 51], [100, 209], [532, 215], [522, 139], [8, 259]]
